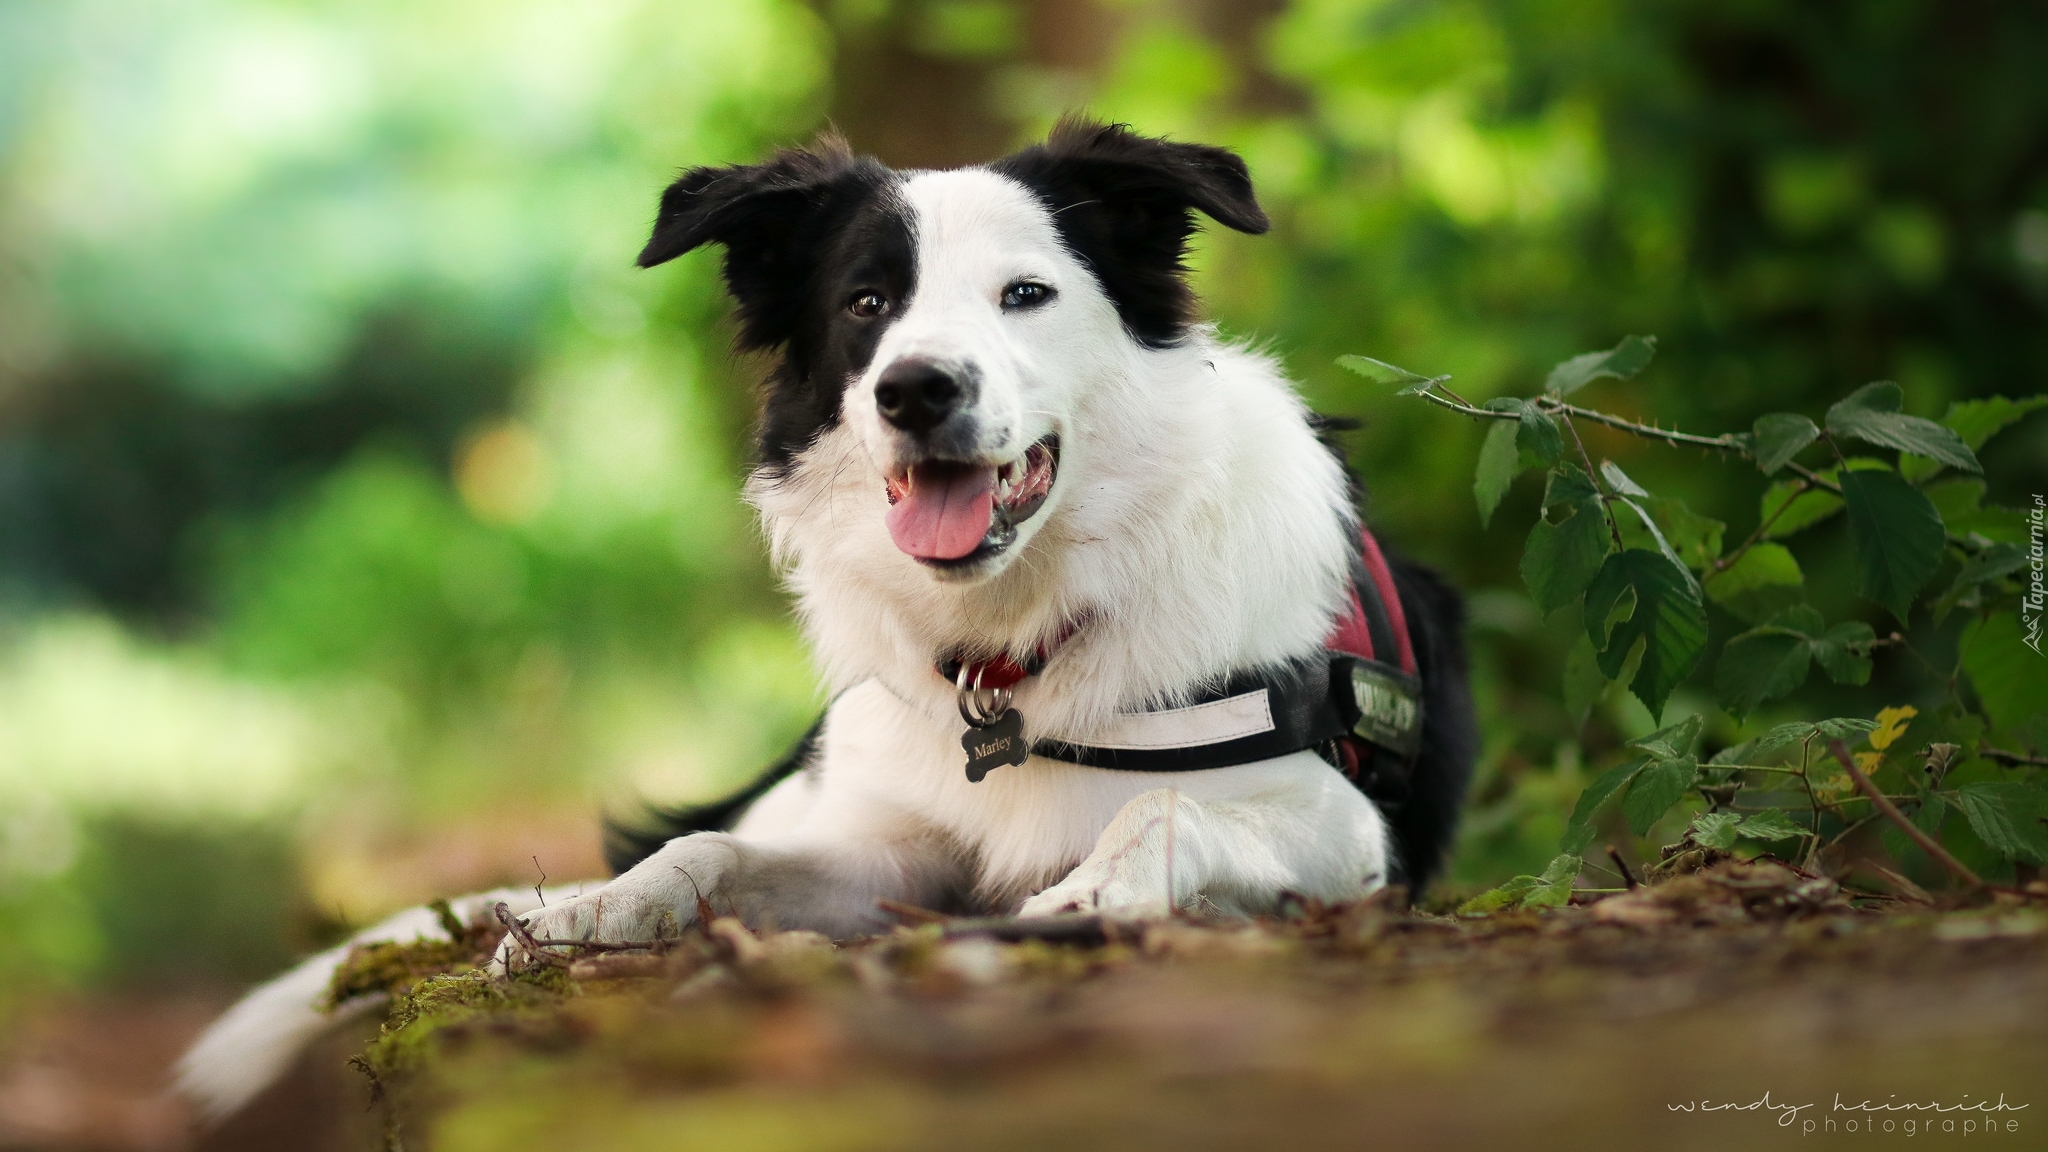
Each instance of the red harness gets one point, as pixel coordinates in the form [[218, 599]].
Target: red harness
[[1352, 634]]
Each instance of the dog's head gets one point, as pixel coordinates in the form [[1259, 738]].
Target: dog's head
[[956, 321]]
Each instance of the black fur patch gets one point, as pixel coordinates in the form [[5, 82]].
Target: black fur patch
[[1125, 205], [1426, 823], [804, 232], [628, 843]]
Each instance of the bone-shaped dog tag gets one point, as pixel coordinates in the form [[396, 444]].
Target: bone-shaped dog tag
[[1000, 742]]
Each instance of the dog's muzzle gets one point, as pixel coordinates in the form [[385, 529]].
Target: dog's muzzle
[[950, 513]]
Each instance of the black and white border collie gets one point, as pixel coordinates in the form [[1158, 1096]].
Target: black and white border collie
[[996, 438]]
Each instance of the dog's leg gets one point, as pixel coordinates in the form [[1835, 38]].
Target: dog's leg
[[822, 885], [1313, 836]]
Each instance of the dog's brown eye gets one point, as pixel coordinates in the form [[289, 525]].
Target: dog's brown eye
[[868, 305], [1025, 294]]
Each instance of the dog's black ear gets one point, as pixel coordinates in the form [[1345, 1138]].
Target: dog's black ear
[[773, 218], [1125, 203]]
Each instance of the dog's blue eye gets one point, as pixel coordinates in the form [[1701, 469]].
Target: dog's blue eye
[[1025, 294]]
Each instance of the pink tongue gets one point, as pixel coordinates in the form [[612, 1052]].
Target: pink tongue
[[944, 511]]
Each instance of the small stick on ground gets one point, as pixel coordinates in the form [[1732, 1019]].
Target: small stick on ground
[[911, 912], [1891, 812], [524, 935], [1621, 866], [535, 946]]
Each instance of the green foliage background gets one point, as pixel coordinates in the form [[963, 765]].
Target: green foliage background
[[352, 481]]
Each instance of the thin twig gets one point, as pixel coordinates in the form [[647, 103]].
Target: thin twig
[[1724, 563], [1646, 431], [1593, 477], [1814, 478], [1464, 409], [543, 879], [1891, 812], [533, 945], [524, 935], [912, 912], [1621, 866], [2015, 759]]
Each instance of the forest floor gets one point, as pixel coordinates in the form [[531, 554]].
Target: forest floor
[[1744, 1005]]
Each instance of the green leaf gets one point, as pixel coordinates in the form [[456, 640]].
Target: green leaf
[[1714, 829], [2004, 661], [1838, 728], [1994, 563], [1977, 421], [1765, 658], [1498, 463], [1563, 554], [1622, 362], [1842, 727], [1987, 567], [1759, 665], [1808, 506], [1871, 414], [1770, 824], [2007, 815], [1843, 652], [1381, 372], [1960, 501], [1578, 830], [1674, 741], [1733, 754], [1494, 899], [1655, 532], [1584, 683], [1760, 584], [1620, 482], [1897, 535], [1537, 436], [1779, 437], [1655, 789], [1696, 538], [1642, 596], [1554, 887]]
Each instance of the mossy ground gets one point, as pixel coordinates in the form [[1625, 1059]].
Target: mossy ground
[[1363, 1025]]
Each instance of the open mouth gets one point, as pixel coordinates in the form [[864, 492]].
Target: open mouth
[[951, 513]]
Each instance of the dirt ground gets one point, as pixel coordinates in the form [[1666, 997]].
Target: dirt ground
[[1745, 1006]]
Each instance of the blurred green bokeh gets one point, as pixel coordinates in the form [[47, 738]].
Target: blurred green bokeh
[[358, 498]]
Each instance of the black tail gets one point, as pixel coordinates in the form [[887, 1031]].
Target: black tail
[[628, 844], [1426, 822]]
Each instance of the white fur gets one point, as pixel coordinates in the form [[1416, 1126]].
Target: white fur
[[256, 1041], [1196, 526]]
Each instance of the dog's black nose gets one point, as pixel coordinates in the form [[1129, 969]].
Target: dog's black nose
[[918, 395]]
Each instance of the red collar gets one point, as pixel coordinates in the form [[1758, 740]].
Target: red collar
[[1004, 670]]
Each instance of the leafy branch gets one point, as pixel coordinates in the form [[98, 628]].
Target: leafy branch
[[1641, 583]]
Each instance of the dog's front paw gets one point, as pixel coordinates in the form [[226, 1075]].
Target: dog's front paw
[[618, 913], [1106, 895]]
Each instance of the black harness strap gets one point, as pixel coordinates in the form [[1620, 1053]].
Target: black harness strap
[[1363, 715], [1304, 709]]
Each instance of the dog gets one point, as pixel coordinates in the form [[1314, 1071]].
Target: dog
[[1089, 582]]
